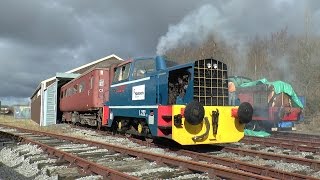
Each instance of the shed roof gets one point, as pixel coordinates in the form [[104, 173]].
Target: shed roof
[[76, 69]]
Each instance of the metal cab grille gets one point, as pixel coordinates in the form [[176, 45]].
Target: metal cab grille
[[211, 82]]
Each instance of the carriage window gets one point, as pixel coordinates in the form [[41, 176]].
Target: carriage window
[[122, 73], [68, 92], [75, 89], [142, 67], [81, 87]]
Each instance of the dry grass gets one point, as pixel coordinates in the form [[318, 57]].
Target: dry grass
[[29, 124]]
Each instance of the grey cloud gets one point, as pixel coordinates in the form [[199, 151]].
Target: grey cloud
[[39, 23], [40, 38]]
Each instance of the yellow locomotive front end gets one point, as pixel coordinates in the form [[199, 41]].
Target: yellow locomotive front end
[[220, 124], [207, 118]]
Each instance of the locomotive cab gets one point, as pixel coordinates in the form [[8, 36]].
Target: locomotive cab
[[186, 103]]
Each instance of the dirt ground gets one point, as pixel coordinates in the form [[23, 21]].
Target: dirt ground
[[28, 123], [311, 124]]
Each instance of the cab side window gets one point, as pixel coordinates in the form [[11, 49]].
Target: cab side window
[[143, 67], [122, 73]]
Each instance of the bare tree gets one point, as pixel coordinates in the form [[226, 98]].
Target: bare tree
[[258, 64], [211, 48], [306, 65]]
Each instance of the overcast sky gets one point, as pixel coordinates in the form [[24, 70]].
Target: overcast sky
[[39, 38]]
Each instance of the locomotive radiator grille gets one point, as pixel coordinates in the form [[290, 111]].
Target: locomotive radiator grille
[[211, 82]]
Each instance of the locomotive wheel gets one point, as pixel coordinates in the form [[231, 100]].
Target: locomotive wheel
[[140, 128], [119, 125], [123, 125]]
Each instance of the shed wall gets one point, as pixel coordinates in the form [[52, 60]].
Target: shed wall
[[35, 109], [50, 82]]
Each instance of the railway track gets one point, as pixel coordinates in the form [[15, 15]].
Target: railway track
[[210, 156], [88, 155], [286, 143], [315, 164], [54, 147], [297, 136], [236, 164]]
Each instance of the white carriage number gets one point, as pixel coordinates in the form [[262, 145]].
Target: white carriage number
[[138, 92], [142, 112]]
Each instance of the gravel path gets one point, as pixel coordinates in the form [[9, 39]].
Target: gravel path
[[26, 162]]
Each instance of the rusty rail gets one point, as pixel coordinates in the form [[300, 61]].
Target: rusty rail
[[212, 170], [265, 171], [289, 159], [295, 145], [290, 141], [299, 136]]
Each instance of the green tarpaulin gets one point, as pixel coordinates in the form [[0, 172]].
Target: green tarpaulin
[[279, 87], [248, 132]]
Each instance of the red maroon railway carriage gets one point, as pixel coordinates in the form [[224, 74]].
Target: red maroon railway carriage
[[82, 99]]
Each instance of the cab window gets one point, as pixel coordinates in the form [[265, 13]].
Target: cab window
[[143, 67], [122, 73]]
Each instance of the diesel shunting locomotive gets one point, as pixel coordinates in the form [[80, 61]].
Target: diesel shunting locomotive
[[154, 97]]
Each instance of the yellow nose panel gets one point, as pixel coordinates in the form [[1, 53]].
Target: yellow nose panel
[[228, 128]]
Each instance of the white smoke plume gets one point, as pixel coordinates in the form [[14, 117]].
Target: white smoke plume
[[193, 28]]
